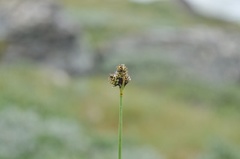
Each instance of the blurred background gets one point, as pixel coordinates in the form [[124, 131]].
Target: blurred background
[[183, 57]]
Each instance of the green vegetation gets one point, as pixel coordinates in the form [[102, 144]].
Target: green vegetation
[[176, 119], [179, 118]]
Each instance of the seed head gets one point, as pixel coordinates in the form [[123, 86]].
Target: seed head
[[120, 77]]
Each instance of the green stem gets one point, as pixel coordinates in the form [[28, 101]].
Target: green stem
[[120, 126]]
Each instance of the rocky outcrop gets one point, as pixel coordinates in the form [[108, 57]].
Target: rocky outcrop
[[227, 10], [42, 32], [206, 53]]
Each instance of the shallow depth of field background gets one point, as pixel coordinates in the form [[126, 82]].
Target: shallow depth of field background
[[56, 103]]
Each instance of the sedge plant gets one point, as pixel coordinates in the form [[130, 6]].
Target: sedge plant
[[120, 78]]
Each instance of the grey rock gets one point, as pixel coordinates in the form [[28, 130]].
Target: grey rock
[[227, 10], [208, 54], [42, 32]]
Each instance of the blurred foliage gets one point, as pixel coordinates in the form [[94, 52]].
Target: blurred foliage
[[25, 135], [221, 150], [177, 118]]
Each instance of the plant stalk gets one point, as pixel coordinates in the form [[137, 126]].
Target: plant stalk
[[120, 126]]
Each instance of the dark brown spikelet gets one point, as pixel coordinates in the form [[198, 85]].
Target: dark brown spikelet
[[120, 77], [113, 80]]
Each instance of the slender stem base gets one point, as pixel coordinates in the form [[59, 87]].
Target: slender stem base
[[120, 126]]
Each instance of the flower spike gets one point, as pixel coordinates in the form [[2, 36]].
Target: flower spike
[[120, 77]]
